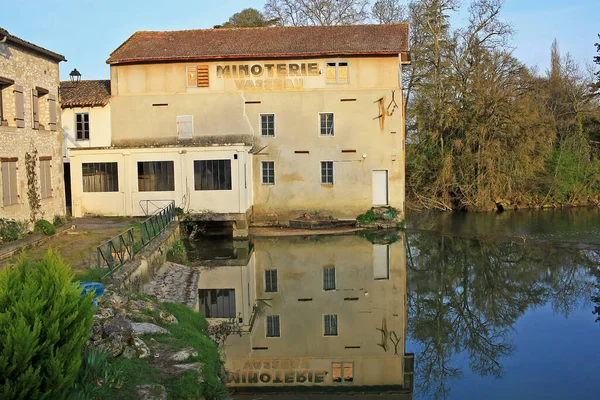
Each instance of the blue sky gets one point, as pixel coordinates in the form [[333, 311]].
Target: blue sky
[[87, 31]]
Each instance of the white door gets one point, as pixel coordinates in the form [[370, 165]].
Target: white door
[[381, 261], [380, 188]]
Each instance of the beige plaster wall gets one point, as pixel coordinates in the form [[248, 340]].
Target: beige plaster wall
[[367, 115], [99, 127], [127, 200], [31, 70], [365, 307]]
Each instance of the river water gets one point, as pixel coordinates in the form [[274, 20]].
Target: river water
[[459, 306]]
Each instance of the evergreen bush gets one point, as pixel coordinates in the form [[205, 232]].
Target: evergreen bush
[[44, 324], [44, 226], [11, 230]]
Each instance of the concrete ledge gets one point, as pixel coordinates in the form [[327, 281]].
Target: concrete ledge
[[36, 239], [320, 224], [135, 273]]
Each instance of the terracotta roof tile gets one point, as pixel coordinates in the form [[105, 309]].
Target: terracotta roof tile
[[84, 93], [272, 42]]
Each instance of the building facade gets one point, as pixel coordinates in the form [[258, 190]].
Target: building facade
[[31, 163], [323, 313], [266, 122]]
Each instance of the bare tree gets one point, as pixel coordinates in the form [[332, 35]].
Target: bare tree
[[388, 12], [317, 12]]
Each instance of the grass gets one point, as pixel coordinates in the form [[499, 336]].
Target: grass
[[191, 331]]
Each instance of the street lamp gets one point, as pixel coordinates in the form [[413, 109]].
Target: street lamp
[[75, 76]]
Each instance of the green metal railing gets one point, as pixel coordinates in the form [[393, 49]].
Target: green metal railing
[[157, 223], [115, 252]]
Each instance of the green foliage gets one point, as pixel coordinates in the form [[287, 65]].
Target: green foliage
[[248, 18], [44, 226], [97, 377], [11, 230], [177, 253], [59, 220], [367, 218], [44, 324]]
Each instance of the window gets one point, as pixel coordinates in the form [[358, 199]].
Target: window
[[330, 325], [35, 109], [9, 181], [46, 177], [328, 278], [197, 76], [217, 303], [271, 280], [327, 172], [100, 177], [212, 175], [326, 123], [273, 328], [267, 125], [82, 126], [185, 126], [4, 100], [268, 172], [156, 176], [337, 72], [342, 371]]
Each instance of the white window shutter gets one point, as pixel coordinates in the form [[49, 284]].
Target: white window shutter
[[185, 126]]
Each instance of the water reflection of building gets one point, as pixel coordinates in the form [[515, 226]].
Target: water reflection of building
[[317, 312]]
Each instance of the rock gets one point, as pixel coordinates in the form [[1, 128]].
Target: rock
[[97, 332], [141, 318], [168, 318], [141, 347], [142, 328], [129, 352], [151, 392], [116, 325], [113, 345], [105, 313], [189, 367], [184, 354]]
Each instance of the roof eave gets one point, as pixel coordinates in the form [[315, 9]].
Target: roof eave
[[252, 56], [18, 41]]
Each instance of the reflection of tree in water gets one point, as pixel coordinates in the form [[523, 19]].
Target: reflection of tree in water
[[465, 296]]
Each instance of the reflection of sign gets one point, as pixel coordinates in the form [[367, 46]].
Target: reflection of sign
[[268, 76], [276, 372]]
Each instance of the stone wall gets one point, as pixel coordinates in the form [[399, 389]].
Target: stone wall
[[31, 70], [135, 273]]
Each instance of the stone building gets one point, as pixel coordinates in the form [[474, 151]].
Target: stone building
[[32, 183], [264, 123], [85, 119]]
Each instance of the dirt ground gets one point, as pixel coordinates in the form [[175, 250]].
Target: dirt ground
[[77, 246]]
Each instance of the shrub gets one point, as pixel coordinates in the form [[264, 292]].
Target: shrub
[[97, 377], [59, 220], [177, 253], [11, 230], [44, 324], [44, 226]]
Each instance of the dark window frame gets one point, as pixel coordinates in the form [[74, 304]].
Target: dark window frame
[[82, 132], [156, 176], [330, 325], [110, 169], [273, 326], [329, 279], [212, 175], [222, 303], [271, 282]]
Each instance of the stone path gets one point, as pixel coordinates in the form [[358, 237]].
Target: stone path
[[175, 283]]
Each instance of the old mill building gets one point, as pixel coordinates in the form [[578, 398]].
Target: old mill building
[[260, 124]]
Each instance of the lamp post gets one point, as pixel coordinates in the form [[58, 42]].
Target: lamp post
[[75, 76]]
